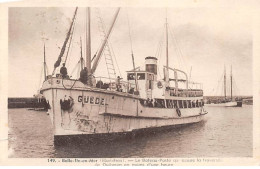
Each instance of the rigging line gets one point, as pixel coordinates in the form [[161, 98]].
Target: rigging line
[[178, 57], [57, 63], [99, 27], [113, 55], [109, 45], [160, 51], [177, 45], [159, 55], [73, 27], [75, 68], [179, 54], [84, 46], [129, 32], [132, 53], [159, 45], [107, 39], [71, 41], [218, 84]]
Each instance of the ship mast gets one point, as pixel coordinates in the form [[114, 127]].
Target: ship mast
[[225, 82], [88, 42], [132, 53], [44, 63], [81, 57], [94, 66], [167, 51], [231, 82]]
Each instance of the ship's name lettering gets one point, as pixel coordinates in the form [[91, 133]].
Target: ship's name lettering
[[91, 100]]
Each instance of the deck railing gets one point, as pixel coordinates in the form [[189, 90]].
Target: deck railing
[[115, 85]]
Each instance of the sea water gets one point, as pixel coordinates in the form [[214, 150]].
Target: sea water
[[225, 132]]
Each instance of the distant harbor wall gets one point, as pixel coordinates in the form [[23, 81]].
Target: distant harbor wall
[[245, 99], [25, 102]]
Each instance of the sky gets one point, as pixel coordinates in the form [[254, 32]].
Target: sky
[[207, 38]]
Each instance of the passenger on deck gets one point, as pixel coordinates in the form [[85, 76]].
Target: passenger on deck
[[155, 103], [131, 91], [84, 75], [105, 86], [149, 103], [99, 84], [197, 103], [63, 71], [152, 104], [118, 84]]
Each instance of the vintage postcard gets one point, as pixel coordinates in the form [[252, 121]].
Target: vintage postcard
[[130, 83]]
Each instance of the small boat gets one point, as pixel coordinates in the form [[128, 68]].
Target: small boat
[[226, 102]]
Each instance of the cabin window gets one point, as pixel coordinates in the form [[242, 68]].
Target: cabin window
[[189, 104], [169, 103], [140, 76], [159, 103], [185, 104], [175, 103], [193, 103], [180, 104], [172, 92], [197, 103], [130, 76]]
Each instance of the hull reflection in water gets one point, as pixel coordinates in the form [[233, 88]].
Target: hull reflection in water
[[128, 145]]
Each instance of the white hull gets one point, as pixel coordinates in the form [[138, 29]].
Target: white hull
[[227, 104], [99, 111]]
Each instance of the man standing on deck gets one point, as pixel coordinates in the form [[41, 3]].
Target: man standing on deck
[[84, 75], [118, 84], [63, 71]]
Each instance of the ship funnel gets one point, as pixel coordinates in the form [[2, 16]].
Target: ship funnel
[[151, 64]]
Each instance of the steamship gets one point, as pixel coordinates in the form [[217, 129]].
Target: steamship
[[108, 106]]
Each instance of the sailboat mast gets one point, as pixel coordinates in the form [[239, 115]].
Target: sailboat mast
[[225, 81], [44, 63], [88, 42], [231, 81]]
